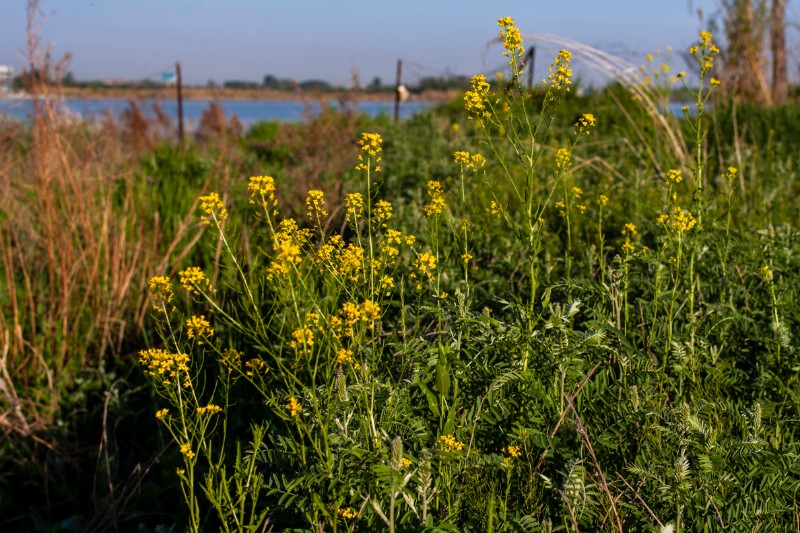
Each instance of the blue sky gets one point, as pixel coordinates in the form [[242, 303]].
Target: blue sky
[[246, 39]]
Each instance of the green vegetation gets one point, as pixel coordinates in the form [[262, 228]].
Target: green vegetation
[[521, 312]]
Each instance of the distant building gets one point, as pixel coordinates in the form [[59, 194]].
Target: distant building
[[6, 78]]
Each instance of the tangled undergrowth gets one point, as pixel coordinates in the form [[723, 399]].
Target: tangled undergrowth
[[515, 345]]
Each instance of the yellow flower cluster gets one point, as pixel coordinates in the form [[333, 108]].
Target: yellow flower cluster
[[293, 407], [602, 200], [164, 364], [405, 462], [512, 453], [345, 356], [674, 176], [194, 280], [560, 72], [186, 449], [766, 272], [628, 231], [348, 513], [160, 292], [231, 358], [467, 160], [198, 326], [161, 414], [262, 191], [315, 205], [256, 366], [705, 51], [451, 444], [287, 242], [209, 409], [352, 314], [214, 209], [382, 212], [436, 204], [494, 209], [351, 262], [680, 219], [475, 99], [303, 339], [511, 38], [425, 264], [354, 203], [370, 144], [563, 159], [586, 123]]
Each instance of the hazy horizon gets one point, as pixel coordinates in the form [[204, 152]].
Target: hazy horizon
[[246, 40]]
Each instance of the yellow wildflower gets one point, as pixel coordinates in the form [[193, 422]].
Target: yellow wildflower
[[194, 280], [586, 123], [198, 326], [351, 262], [563, 159], [382, 212], [348, 513], [315, 205], [370, 144], [161, 363], [475, 99], [425, 263], [766, 272], [451, 444], [370, 311], [344, 356], [186, 449], [262, 191], [560, 73], [602, 200], [679, 219], [674, 176], [629, 229], [627, 247], [209, 409], [256, 366], [512, 40], [160, 292], [303, 338], [405, 463], [293, 407], [715, 82], [437, 204], [214, 209], [231, 358], [161, 414], [461, 158], [354, 203]]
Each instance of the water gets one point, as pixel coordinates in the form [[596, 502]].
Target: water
[[248, 111]]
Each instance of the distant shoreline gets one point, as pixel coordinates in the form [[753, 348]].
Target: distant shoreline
[[206, 93]]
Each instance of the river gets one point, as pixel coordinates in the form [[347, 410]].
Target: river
[[247, 111]]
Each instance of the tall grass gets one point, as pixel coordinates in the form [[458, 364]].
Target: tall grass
[[522, 312]]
